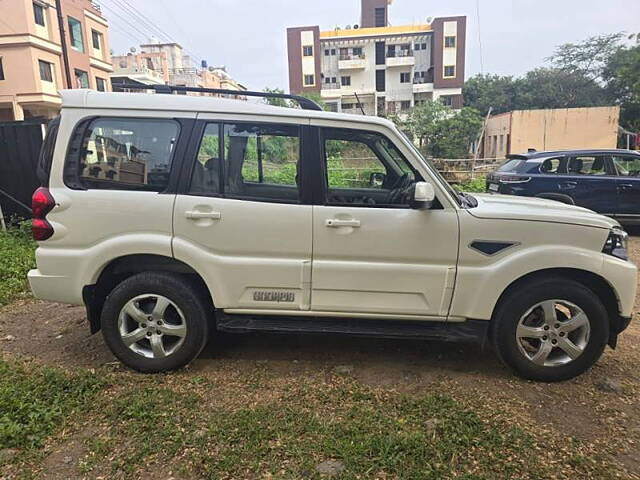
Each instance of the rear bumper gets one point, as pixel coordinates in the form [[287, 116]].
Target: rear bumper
[[55, 288]]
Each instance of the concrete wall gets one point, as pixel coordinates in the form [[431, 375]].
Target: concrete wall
[[559, 129]]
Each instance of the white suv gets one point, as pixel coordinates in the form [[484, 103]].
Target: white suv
[[172, 216]]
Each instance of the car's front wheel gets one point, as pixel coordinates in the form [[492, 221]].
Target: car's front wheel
[[550, 329], [155, 322]]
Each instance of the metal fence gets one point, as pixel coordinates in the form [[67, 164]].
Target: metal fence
[[465, 169]]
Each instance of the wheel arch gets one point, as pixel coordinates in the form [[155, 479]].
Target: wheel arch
[[119, 269], [597, 284]]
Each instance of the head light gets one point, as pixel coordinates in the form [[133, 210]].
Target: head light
[[616, 244]]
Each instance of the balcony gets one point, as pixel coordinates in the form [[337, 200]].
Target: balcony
[[352, 62], [404, 58]]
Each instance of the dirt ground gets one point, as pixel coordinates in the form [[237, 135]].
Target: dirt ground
[[601, 407]]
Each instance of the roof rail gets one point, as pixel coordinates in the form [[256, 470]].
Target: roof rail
[[305, 103]]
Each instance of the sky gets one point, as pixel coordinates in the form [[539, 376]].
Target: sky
[[248, 36]]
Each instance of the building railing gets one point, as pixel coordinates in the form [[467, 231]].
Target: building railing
[[330, 86], [352, 57], [96, 6], [400, 53]]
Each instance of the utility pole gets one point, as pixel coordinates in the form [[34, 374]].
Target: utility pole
[[63, 44]]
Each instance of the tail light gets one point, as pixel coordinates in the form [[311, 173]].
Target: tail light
[[511, 178], [41, 203]]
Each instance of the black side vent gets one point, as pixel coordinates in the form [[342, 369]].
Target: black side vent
[[490, 248]]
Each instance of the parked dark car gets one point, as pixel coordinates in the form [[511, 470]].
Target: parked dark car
[[606, 181]]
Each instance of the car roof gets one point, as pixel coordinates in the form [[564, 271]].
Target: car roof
[[91, 99], [553, 153]]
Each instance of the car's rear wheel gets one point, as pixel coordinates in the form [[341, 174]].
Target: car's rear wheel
[[155, 322], [550, 329]]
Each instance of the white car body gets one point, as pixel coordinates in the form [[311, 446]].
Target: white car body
[[398, 264]]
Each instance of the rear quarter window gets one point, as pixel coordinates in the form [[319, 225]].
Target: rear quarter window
[[511, 165], [45, 158], [125, 154]]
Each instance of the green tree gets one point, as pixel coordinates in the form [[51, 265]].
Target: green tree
[[440, 131], [455, 133], [283, 102], [622, 76], [587, 58], [560, 88], [501, 93]]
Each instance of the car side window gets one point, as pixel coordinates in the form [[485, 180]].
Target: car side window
[[551, 166], [207, 170], [128, 154], [366, 169], [593, 165], [627, 166], [261, 161]]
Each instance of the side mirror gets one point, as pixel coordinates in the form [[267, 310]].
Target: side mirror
[[376, 179], [423, 195]]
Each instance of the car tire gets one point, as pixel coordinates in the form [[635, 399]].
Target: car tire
[[155, 322], [550, 329]]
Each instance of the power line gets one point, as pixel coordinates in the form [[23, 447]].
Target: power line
[[135, 28], [479, 35]]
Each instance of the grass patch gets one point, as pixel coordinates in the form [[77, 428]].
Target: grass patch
[[35, 400], [477, 185], [16, 258], [377, 435]]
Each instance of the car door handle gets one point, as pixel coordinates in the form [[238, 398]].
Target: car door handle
[[625, 186], [336, 223], [568, 185], [196, 215]]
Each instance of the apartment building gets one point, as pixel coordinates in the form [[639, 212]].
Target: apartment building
[[378, 68], [160, 63], [32, 64]]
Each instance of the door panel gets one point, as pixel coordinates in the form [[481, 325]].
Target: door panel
[[628, 184], [591, 183], [245, 249], [397, 261], [239, 216], [372, 253]]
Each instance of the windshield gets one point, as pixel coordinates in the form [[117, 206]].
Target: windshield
[[459, 200]]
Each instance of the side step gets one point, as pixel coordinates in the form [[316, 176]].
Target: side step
[[474, 331]]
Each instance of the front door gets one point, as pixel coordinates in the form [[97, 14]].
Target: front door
[[239, 218], [373, 253]]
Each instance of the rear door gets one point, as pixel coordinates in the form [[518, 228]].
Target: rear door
[[591, 182], [628, 184], [240, 219]]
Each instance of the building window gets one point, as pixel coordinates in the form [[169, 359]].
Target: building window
[[345, 81], [405, 105], [381, 17], [380, 53], [405, 77], [75, 34], [46, 73], [357, 52], [332, 106], [424, 46], [96, 39], [333, 51], [330, 80], [380, 81], [449, 71], [307, 51], [327, 52], [309, 80], [417, 46], [82, 79], [450, 42], [101, 84], [38, 14], [447, 100], [1, 70]]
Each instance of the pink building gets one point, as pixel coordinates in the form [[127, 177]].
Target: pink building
[[32, 67]]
